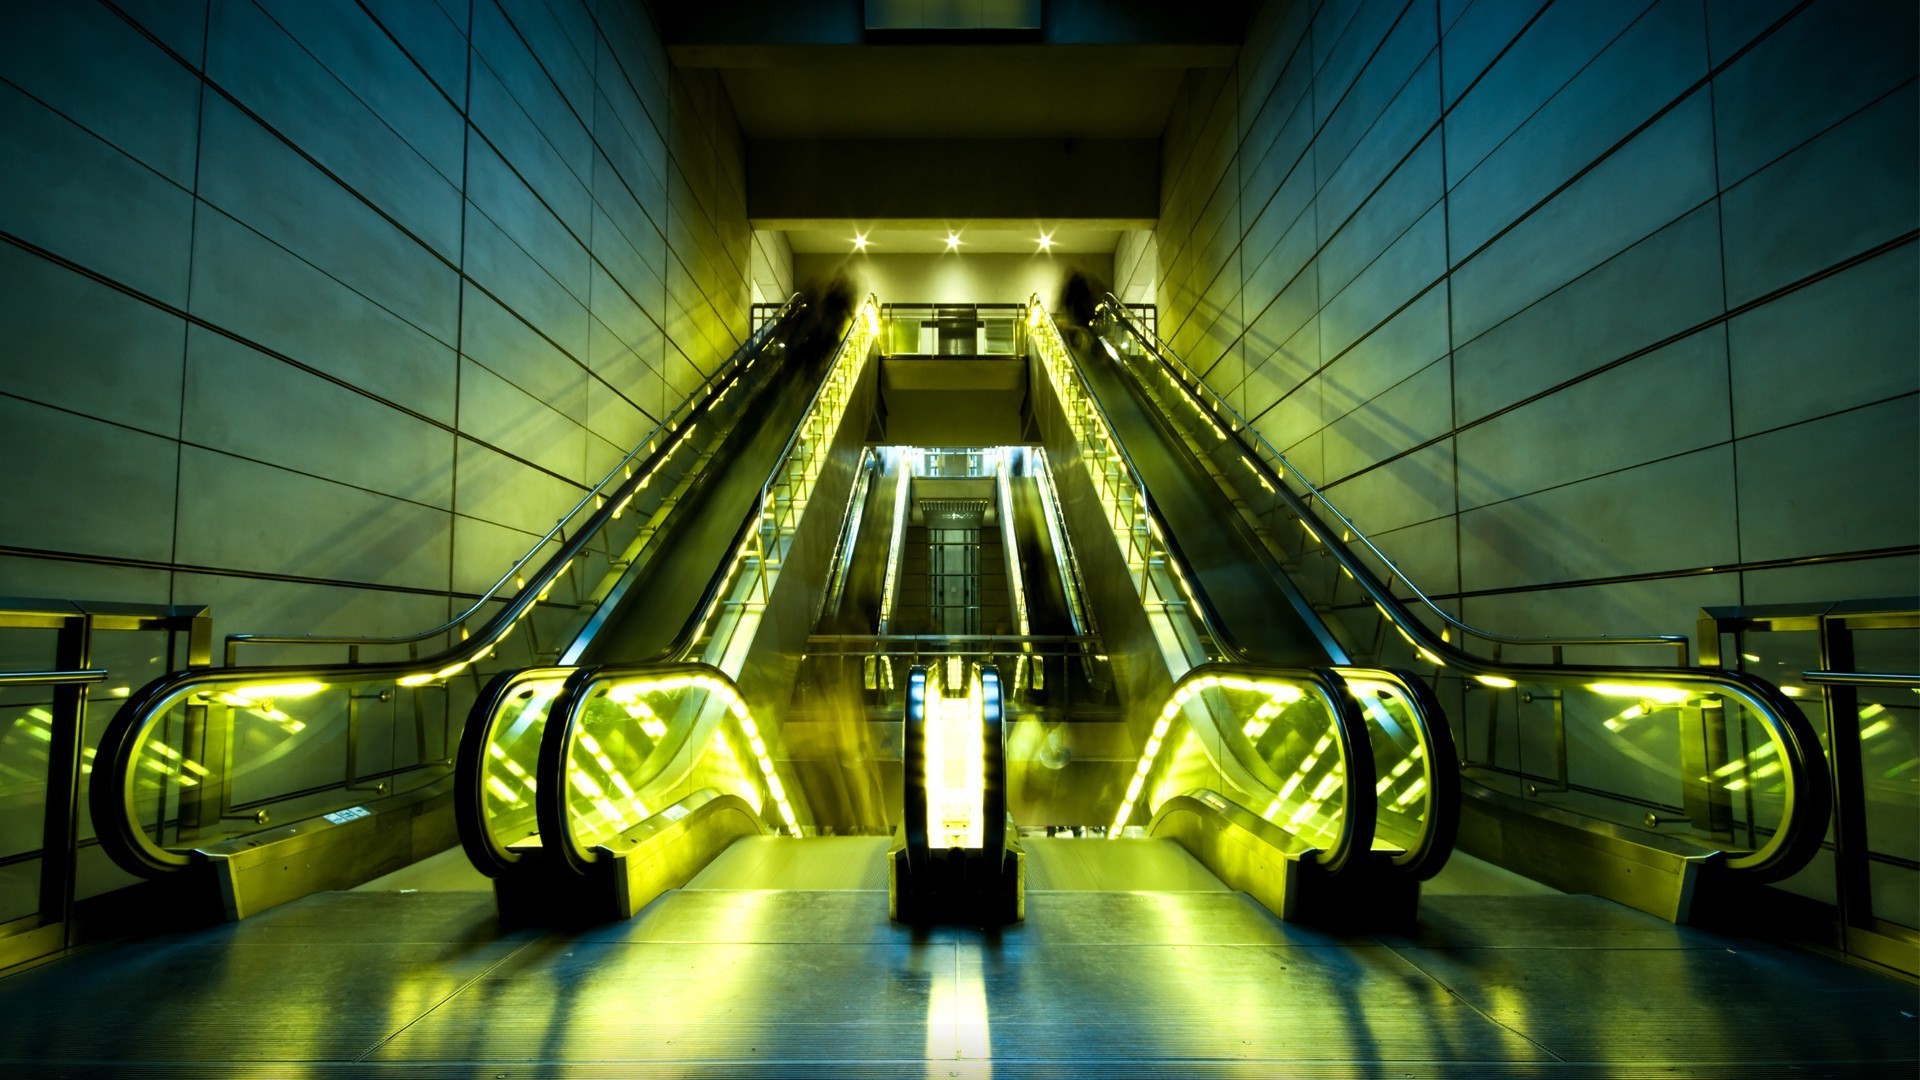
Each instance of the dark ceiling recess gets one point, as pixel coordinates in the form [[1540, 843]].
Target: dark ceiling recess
[[955, 108]]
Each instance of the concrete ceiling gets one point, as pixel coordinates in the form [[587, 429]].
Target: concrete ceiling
[[854, 127], [976, 237]]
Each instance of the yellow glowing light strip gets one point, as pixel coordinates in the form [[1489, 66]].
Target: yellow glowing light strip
[[1665, 695], [955, 765], [729, 695], [901, 488], [1279, 695], [803, 463]]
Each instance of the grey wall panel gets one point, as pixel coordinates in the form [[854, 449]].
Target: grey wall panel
[[502, 267], [519, 213], [250, 516], [1659, 287], [513, 133], [251, 285], [1407, 48], [1855, 330], [406, 301], [546, 432], [78, 484], [1822, 66], [104, 75], [180, 25], [1407, 343], [1348, 179], [497, 488], [1788, 220], [1649, 66], [1810, 488], [249, 404], [1412, 489], [1425, 553], [1661, 174], [1400, 201], [251, 58], [365, 60], [430, 38], [1476, 38], [65, 190], [509, 348], [1410, 414], [87, 348], [1534, 67], [260, 181], [252, 605], [1668, 402], [497, 41], [1667, 515], [1406, 268]]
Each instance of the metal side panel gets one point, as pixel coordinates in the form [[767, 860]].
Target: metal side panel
[[772, 664], [664, 852], [254, 873], [1250, 855], [1140, 670], [1567, 852]]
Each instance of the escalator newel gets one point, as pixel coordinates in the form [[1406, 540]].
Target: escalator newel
[[959, 858]]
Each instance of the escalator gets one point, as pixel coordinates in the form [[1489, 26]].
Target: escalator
[[1670, 788], [1321, 787], [645, 574]]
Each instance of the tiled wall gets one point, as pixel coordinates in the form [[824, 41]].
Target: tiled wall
[[1591, 311], [318, 311]]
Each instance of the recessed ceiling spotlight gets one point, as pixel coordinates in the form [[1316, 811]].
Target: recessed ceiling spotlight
[[953, 240], [859, 241], [1046, 241]]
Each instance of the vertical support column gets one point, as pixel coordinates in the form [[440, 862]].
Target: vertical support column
[[60, 831], [1852, 879]]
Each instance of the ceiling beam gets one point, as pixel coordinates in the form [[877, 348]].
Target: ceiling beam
[[953, 179]]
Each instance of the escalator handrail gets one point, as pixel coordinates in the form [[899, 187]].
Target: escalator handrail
[[1361, 803], [724, 374], [556, 740], [1808, 795], [1439, 768], [1237, 427], [111, 795]]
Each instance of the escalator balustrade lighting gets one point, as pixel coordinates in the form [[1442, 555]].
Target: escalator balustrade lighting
[[955, 765], [630, 692], [785, 498], [1665, 695], [1278, 696]]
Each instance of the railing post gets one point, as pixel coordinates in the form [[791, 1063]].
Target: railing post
[[60, 831], [1853, 884]]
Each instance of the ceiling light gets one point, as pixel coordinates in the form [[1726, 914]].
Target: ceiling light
[[1046, 241], [953, 241], [859, 241]]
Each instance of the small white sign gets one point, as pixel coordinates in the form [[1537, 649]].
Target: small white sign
[[351, 813]]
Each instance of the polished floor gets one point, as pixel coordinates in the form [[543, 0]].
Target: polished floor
[[411, 976]]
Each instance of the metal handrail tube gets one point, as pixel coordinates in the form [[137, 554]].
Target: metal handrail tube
[[1861, 678], [1237, 424], [725, 374], [111, 794], [52, 678], [1808, 799]]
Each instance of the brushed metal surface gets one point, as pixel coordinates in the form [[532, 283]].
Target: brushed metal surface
[[817, 982]]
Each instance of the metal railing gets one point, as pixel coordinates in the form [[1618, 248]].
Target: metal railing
[[952, 330]]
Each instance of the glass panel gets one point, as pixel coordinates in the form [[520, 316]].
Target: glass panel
[[26, 730], [642, 742], [1268, 744]]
